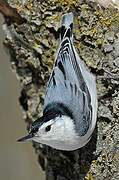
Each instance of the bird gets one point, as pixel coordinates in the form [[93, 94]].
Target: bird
[[70, 101]]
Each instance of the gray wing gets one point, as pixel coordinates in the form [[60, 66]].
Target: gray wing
[[67, 86]]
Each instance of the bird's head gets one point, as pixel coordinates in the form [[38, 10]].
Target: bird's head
[[55, 132], [54, 128]]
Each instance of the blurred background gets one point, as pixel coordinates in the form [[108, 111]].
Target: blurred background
[[17, 160]]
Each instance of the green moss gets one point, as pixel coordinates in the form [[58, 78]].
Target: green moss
[[89, 176]]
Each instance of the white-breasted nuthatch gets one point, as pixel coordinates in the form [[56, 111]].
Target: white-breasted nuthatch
[[70, 104]]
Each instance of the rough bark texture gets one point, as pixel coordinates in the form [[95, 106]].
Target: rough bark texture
[[96, 37]]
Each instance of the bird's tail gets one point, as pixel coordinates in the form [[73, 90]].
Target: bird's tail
[[66, 26]]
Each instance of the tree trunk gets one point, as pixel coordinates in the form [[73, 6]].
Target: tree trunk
[[33, 44]]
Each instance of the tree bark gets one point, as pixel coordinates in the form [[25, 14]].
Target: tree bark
[[33, 44]]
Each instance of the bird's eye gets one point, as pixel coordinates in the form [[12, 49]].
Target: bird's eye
[[48, 128]]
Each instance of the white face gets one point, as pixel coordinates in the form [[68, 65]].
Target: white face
[[56, 132]]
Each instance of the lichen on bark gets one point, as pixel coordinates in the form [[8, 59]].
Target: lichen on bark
[[33, 46]]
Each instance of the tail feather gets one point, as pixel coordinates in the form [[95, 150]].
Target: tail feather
[[67, 26]]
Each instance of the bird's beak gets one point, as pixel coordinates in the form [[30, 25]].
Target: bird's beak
[[26, 138]]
